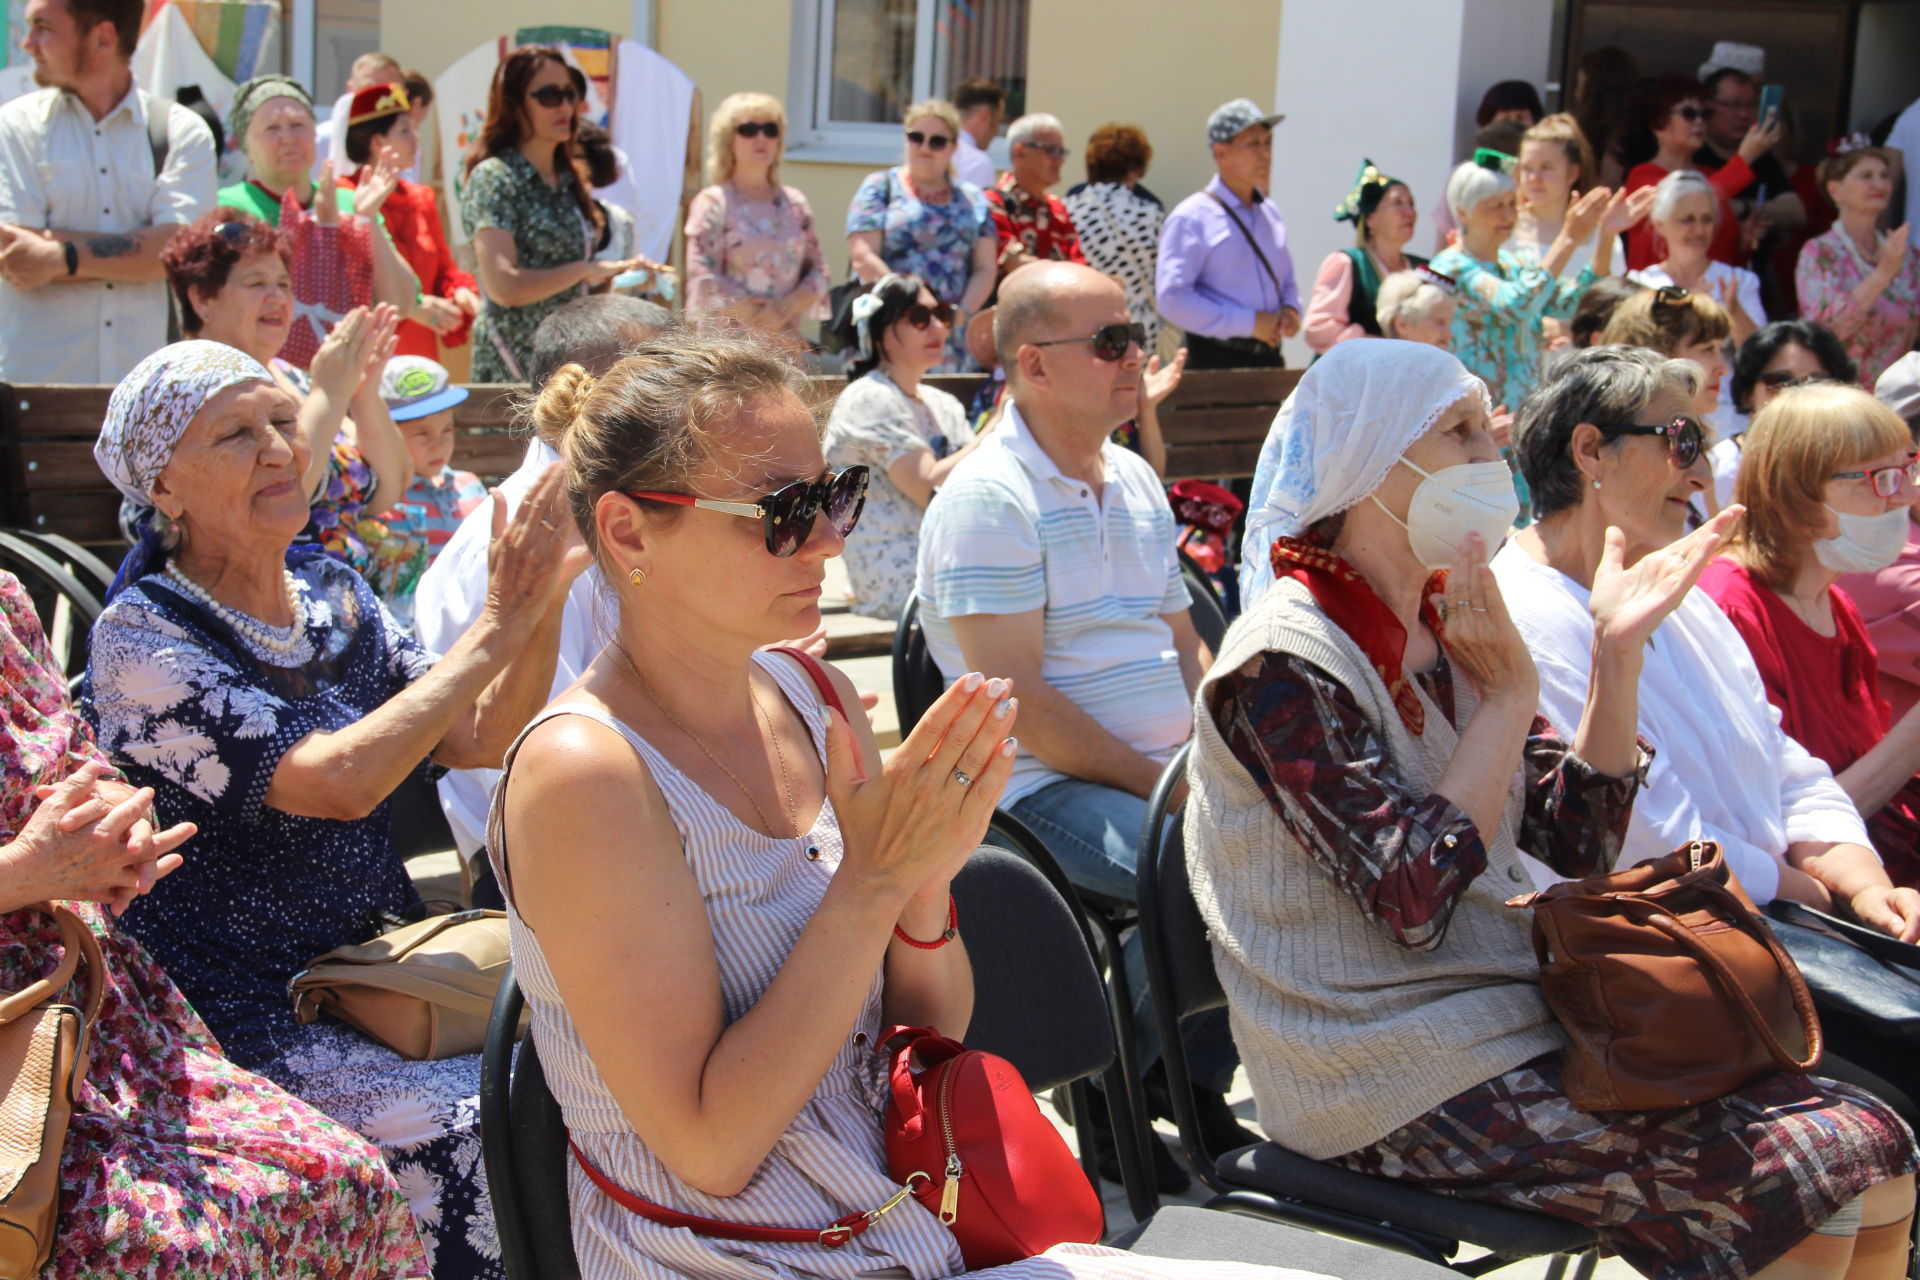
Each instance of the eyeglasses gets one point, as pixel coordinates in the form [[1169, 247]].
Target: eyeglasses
[[920, 316], [1684, 438], [1052, 150], [790, 511], [1110, 341], [1688, 112], [758, 129], [1887, 482], [932, 141], [1781, 379], [553, 95]]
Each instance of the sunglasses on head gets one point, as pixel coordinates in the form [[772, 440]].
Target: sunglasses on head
[[1683, 435], [758, 129], [234, 233], [1110, 341], [1887, 482], [919, 315], [553, 95], [790, 510], [1672, 295], [933, 141]]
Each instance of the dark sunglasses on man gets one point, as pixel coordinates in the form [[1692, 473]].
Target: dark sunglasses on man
[[758, 129], [1111, 342], [790, 510], [1683, 435], [553, 95], [933, 141]]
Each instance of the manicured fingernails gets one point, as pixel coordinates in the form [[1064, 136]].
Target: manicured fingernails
[[996, 688], [973, 681], [1004, 708], [1010, 746]]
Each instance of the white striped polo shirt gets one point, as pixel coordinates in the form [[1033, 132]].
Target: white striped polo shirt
[[1008, 533]]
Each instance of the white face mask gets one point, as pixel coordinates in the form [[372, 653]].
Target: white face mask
[[1449, 504], [1867, 544]]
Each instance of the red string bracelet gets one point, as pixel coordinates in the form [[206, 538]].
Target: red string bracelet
[[953, 930]]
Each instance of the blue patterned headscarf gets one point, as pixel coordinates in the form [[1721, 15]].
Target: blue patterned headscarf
[[147, 415]]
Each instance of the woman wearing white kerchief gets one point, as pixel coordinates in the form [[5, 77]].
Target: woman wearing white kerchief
[[1368, 764], [908, 435], [265, 695]]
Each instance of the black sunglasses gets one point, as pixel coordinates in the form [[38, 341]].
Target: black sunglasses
[[758, 129], [1683, 435], [1781, 379], [1689, 112], [936, 141], [790, 510], [553, 95], [919, 315], [1110, 341]]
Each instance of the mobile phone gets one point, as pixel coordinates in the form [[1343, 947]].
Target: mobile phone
[[1771, 96]]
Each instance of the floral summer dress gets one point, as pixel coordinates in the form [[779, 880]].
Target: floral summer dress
[[931, 240], [177, 1162], [1831, 267], [760, 892], [507, 192], [739, 248], [185, 705], [1496, 328]]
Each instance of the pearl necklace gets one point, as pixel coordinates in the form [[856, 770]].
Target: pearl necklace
[[279, 641]]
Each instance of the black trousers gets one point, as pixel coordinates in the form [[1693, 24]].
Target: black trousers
[[1233, 353]]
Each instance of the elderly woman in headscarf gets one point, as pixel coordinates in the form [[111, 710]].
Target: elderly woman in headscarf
[[265, 695], [1368, 766]]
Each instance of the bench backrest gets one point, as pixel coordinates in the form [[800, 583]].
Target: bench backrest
[[1213, 424]]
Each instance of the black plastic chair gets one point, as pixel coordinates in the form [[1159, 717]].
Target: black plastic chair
[[71, 556], [917, 682], [67, 603], [1266, 1179], [1203, 607], [1038, 1002]]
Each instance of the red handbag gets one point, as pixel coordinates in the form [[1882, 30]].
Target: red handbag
[[967, 1136]]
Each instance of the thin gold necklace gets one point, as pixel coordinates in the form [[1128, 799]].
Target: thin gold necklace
[[786, 783]]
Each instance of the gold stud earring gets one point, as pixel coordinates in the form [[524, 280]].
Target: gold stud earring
[[637, 577]]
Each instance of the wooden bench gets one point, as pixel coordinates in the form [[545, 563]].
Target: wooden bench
[[1214, 425]]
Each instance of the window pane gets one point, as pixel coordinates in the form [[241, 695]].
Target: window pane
[[982, 38], [872, 60], [342, 31]]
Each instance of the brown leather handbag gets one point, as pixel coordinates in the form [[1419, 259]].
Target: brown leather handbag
[[43, 1059], [1670, 987], [425, 990]]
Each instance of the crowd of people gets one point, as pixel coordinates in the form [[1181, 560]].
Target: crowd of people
[[1588, 534]]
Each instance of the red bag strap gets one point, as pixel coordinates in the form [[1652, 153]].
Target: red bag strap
[[821, 680], [932, 1047], [831, 1237]]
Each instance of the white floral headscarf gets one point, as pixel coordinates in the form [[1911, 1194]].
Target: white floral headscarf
[[1349, 420], [150, 410]]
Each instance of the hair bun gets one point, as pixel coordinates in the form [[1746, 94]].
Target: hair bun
[[561, 402]]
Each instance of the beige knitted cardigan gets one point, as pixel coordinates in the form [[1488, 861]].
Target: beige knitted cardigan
[[1345, 1033]]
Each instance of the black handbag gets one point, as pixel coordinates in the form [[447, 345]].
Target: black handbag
[[836, 332], [1855, 973]]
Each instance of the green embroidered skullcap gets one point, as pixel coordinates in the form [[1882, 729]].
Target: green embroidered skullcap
[[255, 93], [1369, 186]]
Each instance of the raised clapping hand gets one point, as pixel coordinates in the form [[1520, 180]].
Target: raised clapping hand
[[90, 838], [912, 828], [382, 177], [1478, 633], [1629, 604], [1893, 248], [1585, 214], [1158, 381], [534, 558], [349, 350], [1626, 210]]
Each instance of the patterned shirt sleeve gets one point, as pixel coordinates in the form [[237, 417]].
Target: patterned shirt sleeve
[[868, 212], [813, 258], [708, 285], [1403, 861], [487, 202]]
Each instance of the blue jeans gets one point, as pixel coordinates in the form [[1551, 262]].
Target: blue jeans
[[1093, 832]]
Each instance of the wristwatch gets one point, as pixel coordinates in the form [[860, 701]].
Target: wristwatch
[[73, 257]]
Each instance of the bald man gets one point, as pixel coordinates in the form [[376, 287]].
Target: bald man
[[1048, 557]]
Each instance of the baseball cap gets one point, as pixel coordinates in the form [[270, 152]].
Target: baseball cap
[[1899, 387], [414, 386], [1229, 119]]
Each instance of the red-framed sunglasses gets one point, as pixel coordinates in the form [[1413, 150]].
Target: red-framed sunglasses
[[790, 510]]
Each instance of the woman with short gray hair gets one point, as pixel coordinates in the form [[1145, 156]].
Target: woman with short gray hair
[[1685, 214], [1613, 458], [1417, 306]]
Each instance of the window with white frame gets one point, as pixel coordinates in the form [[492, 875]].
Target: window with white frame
[[857, 64]]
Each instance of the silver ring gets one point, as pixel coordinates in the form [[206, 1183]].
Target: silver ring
[[1478, 608], [962, 778]]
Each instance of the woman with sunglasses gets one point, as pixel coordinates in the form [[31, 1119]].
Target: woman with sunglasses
[[908, 435], [1785, 353], [920, 219], [1828, 487], [753, 257], [1613, 456], [530, 211], [1667, 129]]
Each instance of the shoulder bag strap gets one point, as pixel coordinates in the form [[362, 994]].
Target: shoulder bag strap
[[821, 680], [159, 130], [1280, 297]]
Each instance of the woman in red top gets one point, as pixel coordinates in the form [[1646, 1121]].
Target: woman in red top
[[381, 143], [1669, 127], [1827, 478]]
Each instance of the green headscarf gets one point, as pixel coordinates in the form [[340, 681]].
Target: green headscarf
[[252, 95]]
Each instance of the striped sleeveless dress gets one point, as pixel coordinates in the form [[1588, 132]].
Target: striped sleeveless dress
[[760, 891]]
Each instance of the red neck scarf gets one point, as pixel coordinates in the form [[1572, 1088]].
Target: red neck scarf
[[1350, 602]]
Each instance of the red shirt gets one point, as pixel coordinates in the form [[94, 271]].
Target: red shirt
[[413, 221], [1645, 245], [1040, 223], [1827, 689]]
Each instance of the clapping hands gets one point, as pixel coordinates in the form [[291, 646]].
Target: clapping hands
[[91, 838]]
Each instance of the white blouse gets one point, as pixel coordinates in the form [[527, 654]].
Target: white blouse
[[1722, 768]]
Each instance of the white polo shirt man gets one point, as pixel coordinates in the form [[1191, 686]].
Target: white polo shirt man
[[61, 169]]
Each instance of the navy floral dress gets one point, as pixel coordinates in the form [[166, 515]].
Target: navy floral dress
[[184, 705]]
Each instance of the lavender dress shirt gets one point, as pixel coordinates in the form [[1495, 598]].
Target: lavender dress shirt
[[1209, 281]]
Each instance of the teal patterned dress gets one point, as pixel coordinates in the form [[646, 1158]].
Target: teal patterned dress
[[1496, 326], [548, 229]]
